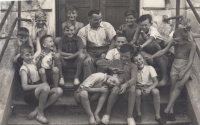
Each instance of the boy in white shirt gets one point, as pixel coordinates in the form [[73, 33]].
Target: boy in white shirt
[[112, 54], [146, 84]]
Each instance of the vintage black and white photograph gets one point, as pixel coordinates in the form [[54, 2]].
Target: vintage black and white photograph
[[100, 62]]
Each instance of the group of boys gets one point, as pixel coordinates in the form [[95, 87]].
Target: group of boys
[[113, 64]]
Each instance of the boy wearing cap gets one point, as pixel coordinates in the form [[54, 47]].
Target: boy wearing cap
[[130, 28]]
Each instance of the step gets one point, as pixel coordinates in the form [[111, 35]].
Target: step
[[148, 118]]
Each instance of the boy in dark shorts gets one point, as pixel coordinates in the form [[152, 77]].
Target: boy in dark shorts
[[181, 67], [71, 50], [130, 29], [35, 92], [50, 63], [95, 88], [146, 84]]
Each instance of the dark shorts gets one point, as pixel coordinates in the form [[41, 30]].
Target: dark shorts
[[30, 98], [49, 76], [69, 63], [96, 52]]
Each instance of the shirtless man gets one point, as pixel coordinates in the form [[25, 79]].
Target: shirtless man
[[181, 67]]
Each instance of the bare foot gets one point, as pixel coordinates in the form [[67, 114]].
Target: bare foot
[[33, 114], [163, 82], [92, 120], [98, 120]]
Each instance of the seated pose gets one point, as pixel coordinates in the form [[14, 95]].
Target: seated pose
[[146, 84], [149, 39], [129, 72], [49, 71], [71, 50], [181, 67], [130, 28], [36, 93], [119, 39], [95, 88]]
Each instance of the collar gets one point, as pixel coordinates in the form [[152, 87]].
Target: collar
[[142, 70], [27, 63]]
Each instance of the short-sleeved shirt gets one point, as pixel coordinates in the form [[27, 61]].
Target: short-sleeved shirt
[[145, 75], [130, 69], [47, 60], [128, 31], [70, 45], [113, 54], [97, 37], [78, 26], [32, 69]]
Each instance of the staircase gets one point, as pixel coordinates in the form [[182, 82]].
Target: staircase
[[67, 112]]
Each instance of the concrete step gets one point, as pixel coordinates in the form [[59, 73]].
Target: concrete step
[[148, 118]]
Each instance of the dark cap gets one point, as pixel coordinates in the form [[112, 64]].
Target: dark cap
[[131, 12]]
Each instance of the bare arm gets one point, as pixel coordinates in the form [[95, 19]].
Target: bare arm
[[136, 36], [155, 83], [148, 42], [38, 49], [92, 90], [133, 79], [74, 55]]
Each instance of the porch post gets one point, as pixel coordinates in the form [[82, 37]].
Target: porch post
[[177, 11]]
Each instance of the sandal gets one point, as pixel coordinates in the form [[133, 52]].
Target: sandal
[[62, 82], [42, 119], [161, 121]]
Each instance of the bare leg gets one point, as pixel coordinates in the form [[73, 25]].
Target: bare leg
[[57, 60], [42, 74], [112, 99], [173, 83], [131, 101], [100, 104], [176, 92], [156, 102], [80, 62], [55, 76], [138, 101]]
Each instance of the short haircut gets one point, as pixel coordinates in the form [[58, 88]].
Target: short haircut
[[136, 54], [68, 25], [119, 34], [146, 17], [23, 32], [72, 8], [127, 48], [25, 47], [181, 32], [94, 11], [42, 39], [131, 12]]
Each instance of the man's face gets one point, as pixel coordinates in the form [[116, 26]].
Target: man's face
[[22, 38], [27, 55], [48, 43], [125, 57], [120, 41], [113, 81], [71, 15], [95, 20], [70, 31], [145, 25], [130, 19], [139, 61]]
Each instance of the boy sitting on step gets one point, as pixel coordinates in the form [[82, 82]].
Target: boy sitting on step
[[94, 88], [50, 63], [181, 67], [146, 84], [119, 39], [71, 50], [36, 93]]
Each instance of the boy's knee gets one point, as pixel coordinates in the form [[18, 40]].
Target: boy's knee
[[46, 89], [115, 90], [59, 91], [57, 40], [55, 70], [138, 92], [81, 56], [132, 89], [155, 91], [84, 94], [56, 56], [41, 71]]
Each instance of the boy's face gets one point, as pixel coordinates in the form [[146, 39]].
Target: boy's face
[[120, 41], [27, 55], [70, 31], [113, 81], [130, 19], [48, 43], [179, 40], [139, 61], [72, 14], [22, 38], [125, 57], [145, 25], [40, 23]]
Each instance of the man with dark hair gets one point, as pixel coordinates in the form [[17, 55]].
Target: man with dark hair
[[96, 37]]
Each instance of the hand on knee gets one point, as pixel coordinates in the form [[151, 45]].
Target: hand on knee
[[115, 90]]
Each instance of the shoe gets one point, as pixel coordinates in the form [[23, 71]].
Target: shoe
[[62, 82], [76, 81], [165, 116], [42, 119], [32, 115], [105, 119], [171, 117], [138, 118], [131, 121], [161, 121]]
